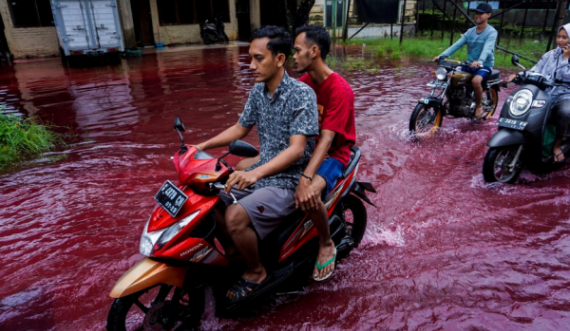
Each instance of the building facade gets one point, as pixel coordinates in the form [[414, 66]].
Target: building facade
[[28, 29]]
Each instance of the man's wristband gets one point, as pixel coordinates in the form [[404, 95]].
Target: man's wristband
[[309, 178]]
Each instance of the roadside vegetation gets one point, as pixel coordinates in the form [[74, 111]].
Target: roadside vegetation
[[426, 48], [21, 139]]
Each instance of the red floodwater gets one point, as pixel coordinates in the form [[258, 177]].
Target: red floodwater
[[443, 250]]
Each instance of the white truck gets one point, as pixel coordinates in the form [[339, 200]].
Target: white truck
[[88, 28]]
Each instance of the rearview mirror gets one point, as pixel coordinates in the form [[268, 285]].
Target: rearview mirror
[[178, 125], [243, 149], [515, 60]]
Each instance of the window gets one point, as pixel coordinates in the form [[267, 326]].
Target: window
[[334, 9], [30, 13], [179, 12]]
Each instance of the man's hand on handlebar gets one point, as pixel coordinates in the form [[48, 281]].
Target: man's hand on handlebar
[[435, 59], [476, 64], [241, 179]]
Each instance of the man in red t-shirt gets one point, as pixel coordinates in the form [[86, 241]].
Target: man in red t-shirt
[[335, 101]]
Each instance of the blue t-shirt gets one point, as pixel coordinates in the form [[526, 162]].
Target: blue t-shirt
[[480, 46]]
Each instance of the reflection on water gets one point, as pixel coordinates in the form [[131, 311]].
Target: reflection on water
[[443, 250]]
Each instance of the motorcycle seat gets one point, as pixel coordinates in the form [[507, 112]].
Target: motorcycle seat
[[354, 158], [494, 74]]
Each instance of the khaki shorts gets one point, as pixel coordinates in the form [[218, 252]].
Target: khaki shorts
[[266, 207]]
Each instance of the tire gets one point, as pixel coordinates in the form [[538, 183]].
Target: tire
[[495, 165], [209, 38], [356, 222], [425, 120], [494, 98], [117, 318]]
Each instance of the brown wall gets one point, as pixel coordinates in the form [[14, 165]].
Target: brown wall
[[190, 33], [28, 42]]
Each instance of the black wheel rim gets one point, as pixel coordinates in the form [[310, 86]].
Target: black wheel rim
[[502, 167]]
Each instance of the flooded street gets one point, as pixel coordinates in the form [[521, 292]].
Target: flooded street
[[443, 250]]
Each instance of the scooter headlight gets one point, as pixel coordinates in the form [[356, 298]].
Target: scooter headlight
[[521, 102], [148, 240], [173, 230], [441, 74], [152, 241]]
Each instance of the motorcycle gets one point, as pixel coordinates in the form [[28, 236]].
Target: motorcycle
[[184, 254], [213, 32], [456, 87], [525, 135]]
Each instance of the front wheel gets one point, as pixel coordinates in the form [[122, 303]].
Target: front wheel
[[425, 120], [152, 309], [498, 165]]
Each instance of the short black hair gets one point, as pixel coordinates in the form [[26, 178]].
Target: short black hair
[[280, 40], [318, 35]]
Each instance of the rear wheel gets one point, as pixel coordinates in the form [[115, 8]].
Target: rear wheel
[[490, 102], [498, 166], [425, 120], [152, 310], [353, 212]]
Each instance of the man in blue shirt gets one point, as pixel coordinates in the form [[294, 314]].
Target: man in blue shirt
[[480, 42]]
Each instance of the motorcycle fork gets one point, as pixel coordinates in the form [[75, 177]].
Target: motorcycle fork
[[515, 160]]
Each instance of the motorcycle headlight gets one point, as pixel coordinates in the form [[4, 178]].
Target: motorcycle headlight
[[172, 230], [152, 241], [521, 102], [148, 240], [441, 74]]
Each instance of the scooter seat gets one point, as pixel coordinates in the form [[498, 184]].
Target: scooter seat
[[495, 74]]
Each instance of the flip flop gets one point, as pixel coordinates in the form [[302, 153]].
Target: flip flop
[[322, 266], [556, 161], [242, 289]]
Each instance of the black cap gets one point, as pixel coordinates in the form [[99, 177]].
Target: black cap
[[484, 8]]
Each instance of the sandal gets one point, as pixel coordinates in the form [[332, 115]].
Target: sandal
[[482, 117], [242, 289], [556, 160], [322, 266]]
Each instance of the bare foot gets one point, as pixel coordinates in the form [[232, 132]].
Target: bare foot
[[254, 277], [326, 252]]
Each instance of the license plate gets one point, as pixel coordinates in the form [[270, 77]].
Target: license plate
[[512, 124], [437, 84], [170, 198]]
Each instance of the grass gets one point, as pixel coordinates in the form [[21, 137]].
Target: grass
[[426, 48], [21, 139]]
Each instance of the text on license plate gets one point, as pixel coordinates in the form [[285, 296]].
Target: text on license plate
[[171, 198], [512, 124]]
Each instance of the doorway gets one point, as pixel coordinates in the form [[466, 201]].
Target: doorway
[[244, 21], [4, 50], [143, 22]]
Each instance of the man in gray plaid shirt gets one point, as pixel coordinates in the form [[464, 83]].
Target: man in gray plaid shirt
[[285, 113]]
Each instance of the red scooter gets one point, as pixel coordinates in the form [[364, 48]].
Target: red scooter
[[184, 252]]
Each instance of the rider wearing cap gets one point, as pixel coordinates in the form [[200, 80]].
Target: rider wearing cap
[[480, 42]]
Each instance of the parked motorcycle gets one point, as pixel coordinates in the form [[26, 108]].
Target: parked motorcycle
[[525, 135], [456, 99], [213, 32], [184, 253]]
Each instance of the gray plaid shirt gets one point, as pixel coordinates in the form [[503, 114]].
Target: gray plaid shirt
[[291, 111]]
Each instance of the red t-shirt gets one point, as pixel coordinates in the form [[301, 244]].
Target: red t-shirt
[[335, 101]]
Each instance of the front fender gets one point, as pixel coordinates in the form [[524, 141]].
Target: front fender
[[431, 101], [506, 137], [145, 274]]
